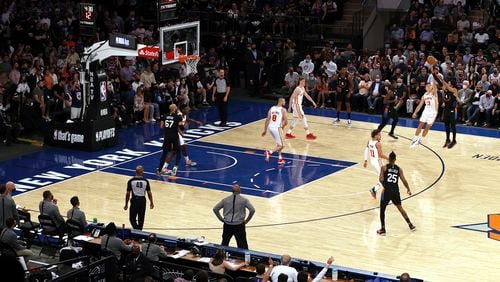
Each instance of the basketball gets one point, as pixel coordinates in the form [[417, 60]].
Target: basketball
[[431, 60]]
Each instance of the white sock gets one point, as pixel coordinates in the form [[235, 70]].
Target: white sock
[[308, 132], [186, 158]]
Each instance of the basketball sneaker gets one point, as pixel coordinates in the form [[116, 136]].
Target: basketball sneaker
[[446, 144], [381, 232], [267, 155], [289, 136], [349, 123], [174, 171], [191, 163], [452, 144], [281, 161], [165, 171], [311, 136], [336, 121], [393, 136], [373, 193], [412, 227], [414, 142]]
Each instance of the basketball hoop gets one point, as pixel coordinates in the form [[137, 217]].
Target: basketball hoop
[[191, 63]]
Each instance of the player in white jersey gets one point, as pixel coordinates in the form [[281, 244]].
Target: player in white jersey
[[374, 151], [275, 122], [430, 99], [295, 107], [182, 144]]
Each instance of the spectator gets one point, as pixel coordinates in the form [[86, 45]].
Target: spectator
[[9, 237], [405, 277], [303, 276], [463, 23], [219, 265], [286, 269], [473, 109], [307, 66], [377, 90], [359, 98], [486, 104], [496, 111], [322, 91], [481, 39], [291, 80], [464, 99]]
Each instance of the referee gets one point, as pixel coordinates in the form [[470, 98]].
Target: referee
[[220, 95], [234, 208], [138, 186]]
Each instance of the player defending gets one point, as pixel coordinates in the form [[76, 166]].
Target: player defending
[[449, 104], [170, 124], [429, 114], [295, 107], [374, 149], [186, 120], [275, 122], [344, 93], [389, 175]]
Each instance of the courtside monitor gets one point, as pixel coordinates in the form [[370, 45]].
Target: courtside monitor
[[180, 39]]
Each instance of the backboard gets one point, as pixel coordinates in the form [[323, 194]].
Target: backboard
[[180, 39]]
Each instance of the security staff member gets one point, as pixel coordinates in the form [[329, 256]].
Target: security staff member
[[220, 95], [170, 124], [138, 186], [234, 220]]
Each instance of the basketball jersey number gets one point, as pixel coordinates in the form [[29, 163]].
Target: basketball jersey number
[[372, 153], [392, 178], [274, 117], [169, 123], [138, 184]]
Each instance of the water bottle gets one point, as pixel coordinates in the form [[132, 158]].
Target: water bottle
[[335, 273], [247, 258]]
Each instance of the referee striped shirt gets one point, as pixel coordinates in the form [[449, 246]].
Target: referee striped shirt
[[138, 186]]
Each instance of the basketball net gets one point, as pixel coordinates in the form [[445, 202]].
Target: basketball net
[[191, 63]]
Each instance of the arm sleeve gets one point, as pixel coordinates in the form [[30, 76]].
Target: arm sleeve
[[217, 209], [251, 210], [320, 275]]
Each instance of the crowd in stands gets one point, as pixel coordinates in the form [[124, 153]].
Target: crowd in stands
[[40, 51], [467, 50]]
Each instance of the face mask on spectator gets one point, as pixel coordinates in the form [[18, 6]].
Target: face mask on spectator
[[465, 86], [399, 84], [177, 83], [377, 80]]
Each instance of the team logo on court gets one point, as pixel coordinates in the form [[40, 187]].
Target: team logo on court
[[491, 227]]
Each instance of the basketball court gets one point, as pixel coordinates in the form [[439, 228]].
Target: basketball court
[[314, 206]]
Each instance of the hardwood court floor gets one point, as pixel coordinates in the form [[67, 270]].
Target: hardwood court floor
[[335, 215]]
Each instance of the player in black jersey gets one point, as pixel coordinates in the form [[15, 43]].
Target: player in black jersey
[[170, 124], [449, 105], [389, 177], [390, 111], [345, 87]]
